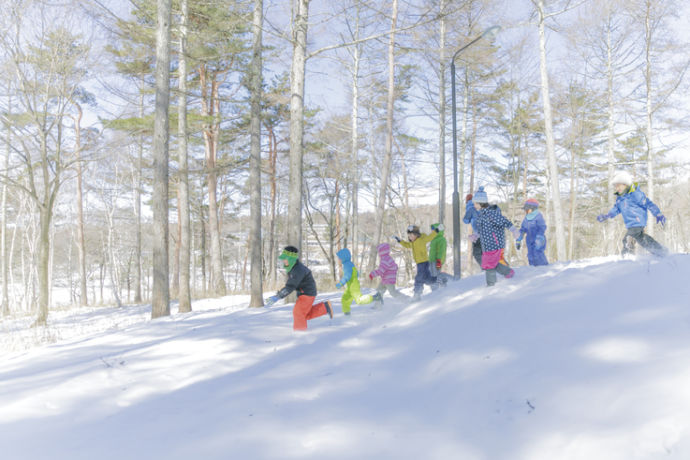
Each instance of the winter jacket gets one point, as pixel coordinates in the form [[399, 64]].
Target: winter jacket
[[633, 206], [349, 270], [437, 248], [491, 225], [533, 225], [419, 253], [300, 279], [471, 215], [388, 269]]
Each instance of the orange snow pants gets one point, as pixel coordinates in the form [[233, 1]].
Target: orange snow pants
[[304, 310]]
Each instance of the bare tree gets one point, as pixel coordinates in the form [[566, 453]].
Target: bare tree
[[255, 159], [185, 301], [161, 130]]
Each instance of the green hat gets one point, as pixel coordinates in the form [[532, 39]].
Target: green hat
[[290, 253]]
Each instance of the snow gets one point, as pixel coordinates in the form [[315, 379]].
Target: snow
[[582, 360]]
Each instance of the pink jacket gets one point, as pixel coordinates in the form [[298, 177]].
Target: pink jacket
[[388, 269]]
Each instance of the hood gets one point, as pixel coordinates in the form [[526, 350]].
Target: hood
[[344, 255], [384, 249]]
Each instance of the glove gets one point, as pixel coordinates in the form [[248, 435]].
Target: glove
[[338, 285], [602, 217], [438, 263], [514, 230], [396, 238], [271, 300], [539, 242], [371, 276], [473, 237], [517, 244], [660, 219]]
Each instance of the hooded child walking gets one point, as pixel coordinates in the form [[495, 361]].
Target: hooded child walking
[[491, 225], [632, 204], [351, 283], [387, 271], [437, 254], [532, 229], [301, 280]]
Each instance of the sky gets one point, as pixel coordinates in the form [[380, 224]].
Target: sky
[[587, 359]]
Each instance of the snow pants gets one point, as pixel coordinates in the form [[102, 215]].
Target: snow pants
[[477, 252], [304, 310], [353, 292], [382, 288], [650, 244], [536, 257], [493, 262], [423, 277]]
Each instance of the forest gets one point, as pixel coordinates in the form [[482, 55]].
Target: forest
[[164, 151]]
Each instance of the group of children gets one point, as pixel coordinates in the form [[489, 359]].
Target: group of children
[[488, 245]]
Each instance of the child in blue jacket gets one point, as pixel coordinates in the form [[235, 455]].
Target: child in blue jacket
[[471, 215], [350, 281], [533, 228], [633, 204]]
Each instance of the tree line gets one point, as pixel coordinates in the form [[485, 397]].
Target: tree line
[[165, 150]]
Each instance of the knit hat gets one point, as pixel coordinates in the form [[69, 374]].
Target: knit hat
[[413, 229], [290, 253], [480, 196], [531, 204], [440, 227], [468, 197], [622, 177]]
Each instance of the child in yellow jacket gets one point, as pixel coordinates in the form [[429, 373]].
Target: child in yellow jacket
[[417, 242]]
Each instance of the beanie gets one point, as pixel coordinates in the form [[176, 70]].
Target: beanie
[[531, 204], [290, 253], [480, 196], [622, 177]]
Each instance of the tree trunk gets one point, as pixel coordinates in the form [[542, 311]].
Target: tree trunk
[[648, 106], [3, 228], [442, 115], [255, 239], [550, 144], [137, 207], [388, 154], [161, 129], [81, 243], [185, 300], [299, 52]]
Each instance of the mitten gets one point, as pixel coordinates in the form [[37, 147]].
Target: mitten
[[396, 238], [515, 231], [468, 197], [338, 285], [660, 219], [271, 300], [473, 237], [602, 217], [539, 242], [371, 276], [438, 263], [518, 244]]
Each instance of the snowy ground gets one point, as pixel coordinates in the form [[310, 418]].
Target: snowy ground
[[585, 360]]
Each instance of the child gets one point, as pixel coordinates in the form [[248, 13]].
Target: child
[[300, 279], [534, 227], [417, 242], [633, 204], [437, 253], [349, 279], [491, 226], [471, 215], [387, 270]]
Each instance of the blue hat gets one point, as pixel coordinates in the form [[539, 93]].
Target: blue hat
[[480, 196]]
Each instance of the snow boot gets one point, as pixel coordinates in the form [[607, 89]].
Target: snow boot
[[329, 310]]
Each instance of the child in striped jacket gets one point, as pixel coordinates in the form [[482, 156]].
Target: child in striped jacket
[[388, 271]]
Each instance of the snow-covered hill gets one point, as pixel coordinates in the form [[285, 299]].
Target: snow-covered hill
[[585, 360]]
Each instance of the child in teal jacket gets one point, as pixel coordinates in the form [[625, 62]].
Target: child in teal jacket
[[351, 283]]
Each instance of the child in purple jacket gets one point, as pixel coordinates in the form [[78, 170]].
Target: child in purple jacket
[[388, 271]]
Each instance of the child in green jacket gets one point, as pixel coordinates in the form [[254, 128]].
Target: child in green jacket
[[437, 253]]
